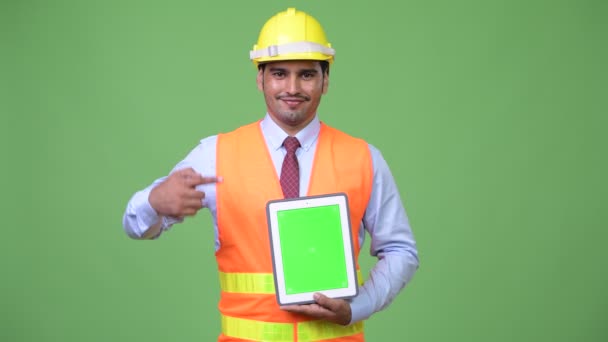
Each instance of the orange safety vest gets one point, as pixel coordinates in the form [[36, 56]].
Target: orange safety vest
[[248, 304]]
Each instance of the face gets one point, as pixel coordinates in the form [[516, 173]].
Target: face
[[292, 90]]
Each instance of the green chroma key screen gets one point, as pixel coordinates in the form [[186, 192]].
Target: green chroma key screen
[[312, 249]]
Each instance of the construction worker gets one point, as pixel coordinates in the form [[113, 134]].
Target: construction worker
[[235, 174]]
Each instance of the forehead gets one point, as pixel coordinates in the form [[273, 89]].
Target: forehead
[[294, 65]]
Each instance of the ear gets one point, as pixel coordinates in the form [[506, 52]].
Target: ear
[[325, 83], [260, 79]]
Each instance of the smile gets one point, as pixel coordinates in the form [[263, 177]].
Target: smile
[[292, 102]]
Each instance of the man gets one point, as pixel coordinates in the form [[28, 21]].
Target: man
[[234, 175]]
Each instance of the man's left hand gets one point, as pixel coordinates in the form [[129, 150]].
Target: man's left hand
[[329, 309]]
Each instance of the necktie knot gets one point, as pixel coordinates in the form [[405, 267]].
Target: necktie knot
[[291, 144]]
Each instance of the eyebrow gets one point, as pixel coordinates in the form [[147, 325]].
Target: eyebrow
[[301, 71]]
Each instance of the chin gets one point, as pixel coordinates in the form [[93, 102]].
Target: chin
[[292, 118]]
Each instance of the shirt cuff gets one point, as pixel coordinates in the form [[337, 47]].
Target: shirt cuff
[[146, 215], [361, 306]]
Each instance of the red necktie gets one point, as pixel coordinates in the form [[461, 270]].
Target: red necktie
[[290, 171]]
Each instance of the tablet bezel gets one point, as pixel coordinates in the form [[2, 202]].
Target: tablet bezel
[[273, 208]]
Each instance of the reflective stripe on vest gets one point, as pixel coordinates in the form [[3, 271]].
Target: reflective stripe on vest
[[253, 283], [260, 283], [284, 332]]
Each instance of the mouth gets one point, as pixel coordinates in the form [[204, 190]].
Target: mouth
[[292, 102]]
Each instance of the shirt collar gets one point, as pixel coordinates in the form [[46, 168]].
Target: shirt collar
[[275, 135]]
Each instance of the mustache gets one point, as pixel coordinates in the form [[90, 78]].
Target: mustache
[[290, 96]]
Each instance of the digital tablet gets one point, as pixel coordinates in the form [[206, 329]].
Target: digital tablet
[[312, 250]]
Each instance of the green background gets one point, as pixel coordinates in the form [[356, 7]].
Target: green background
[[491, 114]]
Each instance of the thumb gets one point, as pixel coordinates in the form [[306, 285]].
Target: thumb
[[325, 301]]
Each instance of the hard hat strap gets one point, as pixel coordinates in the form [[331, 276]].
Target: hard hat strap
[[296, 47]]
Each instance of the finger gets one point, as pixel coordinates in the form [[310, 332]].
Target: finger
[[188, 195], [197, 179], [191, 179], [340, 311], [313, 310], [326, 302], [189, 211], [195, 194], [194, 203], [185, 173], [209, 180], [295, 308]]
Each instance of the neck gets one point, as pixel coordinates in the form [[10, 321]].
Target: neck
[[291, 129]]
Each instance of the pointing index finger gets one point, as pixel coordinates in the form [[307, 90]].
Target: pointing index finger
[[199, 179], [210, 179]]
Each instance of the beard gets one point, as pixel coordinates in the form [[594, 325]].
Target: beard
[[292, 118], [296, 116]]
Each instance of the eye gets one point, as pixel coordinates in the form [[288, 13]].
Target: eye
[[278, 74], [308, 75]]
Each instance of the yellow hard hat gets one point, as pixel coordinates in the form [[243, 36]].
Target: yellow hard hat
[[291, 35]]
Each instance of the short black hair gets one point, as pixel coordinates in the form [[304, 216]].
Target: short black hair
[[324, 66]]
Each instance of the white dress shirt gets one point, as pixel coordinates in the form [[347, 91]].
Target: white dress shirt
[[392, 241]]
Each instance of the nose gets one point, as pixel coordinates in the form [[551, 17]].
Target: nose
[[293, 85]]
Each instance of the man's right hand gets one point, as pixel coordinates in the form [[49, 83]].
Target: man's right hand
[[177, 195]]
